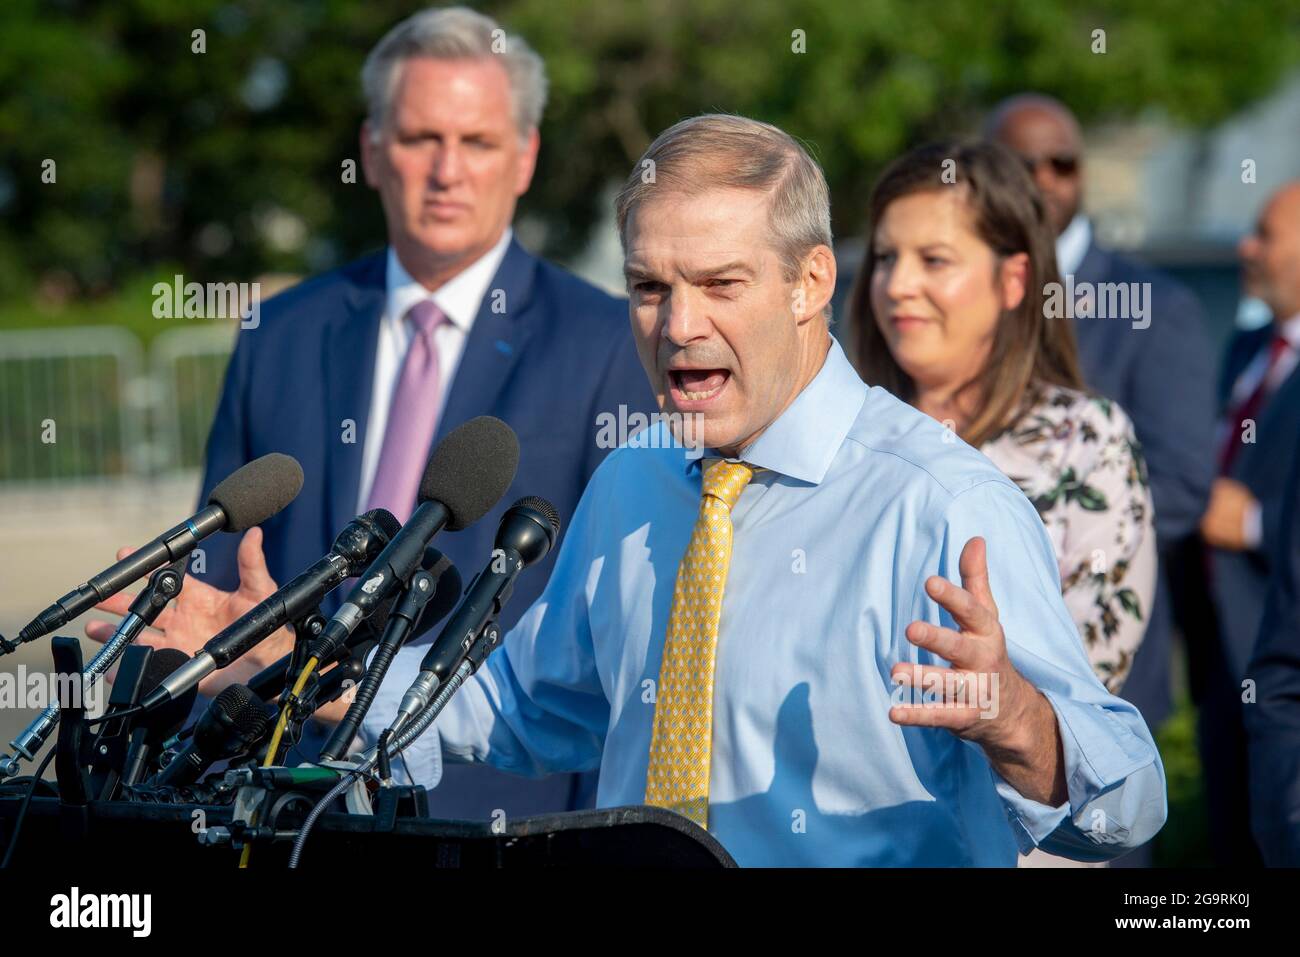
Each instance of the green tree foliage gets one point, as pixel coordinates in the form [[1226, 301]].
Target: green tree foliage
[[229, 162]]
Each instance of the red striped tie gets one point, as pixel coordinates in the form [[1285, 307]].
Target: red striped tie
[[1249, 407]]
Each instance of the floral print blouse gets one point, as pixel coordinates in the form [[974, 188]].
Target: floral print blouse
[[1077, 459]]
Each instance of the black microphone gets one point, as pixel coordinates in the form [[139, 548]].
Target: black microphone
[[447, 591], [231, 727], [336, 682], [272, 680], [467, 474], [124, 744], [247, 497], [430, 596], [527, 532], [354, 548], [154, 727], [164, 585]]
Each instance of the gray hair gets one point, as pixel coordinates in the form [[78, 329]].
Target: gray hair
[[455, 33], [719, 151]]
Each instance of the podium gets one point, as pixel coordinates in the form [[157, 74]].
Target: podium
[[169, 835]]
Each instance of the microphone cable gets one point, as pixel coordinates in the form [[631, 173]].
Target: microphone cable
[[286, 709], [22, 811]]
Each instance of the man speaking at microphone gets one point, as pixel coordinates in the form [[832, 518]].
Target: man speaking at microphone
[[770, 639]]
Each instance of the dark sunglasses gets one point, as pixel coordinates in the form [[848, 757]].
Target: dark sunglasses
[[1061, 165]]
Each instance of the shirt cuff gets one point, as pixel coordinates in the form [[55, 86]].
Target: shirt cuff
[[1252, 525], [1099, 752], [421, 762]]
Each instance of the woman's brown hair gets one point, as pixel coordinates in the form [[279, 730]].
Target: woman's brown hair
[[1029, 349]]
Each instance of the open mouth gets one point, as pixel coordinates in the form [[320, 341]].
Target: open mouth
[[697, 385], [442, 207]]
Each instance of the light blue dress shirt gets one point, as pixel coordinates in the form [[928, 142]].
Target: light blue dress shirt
[[864, 498]]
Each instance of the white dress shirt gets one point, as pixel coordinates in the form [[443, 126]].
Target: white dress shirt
[[1072, 245], [1250, 377], [460, 299]]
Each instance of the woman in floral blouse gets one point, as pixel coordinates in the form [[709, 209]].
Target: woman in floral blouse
[[954, 312], [1076, 458]]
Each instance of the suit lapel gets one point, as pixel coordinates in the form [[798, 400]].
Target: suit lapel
[[1277, 416], [1094, 266], [1090, 334], [496, 342], [351, 341], [1281, 405], [1241, 352]]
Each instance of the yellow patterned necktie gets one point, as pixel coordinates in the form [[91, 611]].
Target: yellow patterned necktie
[[680, 745]]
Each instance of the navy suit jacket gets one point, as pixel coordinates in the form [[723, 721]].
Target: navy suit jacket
[[1273, 721], [1163, 377], [1240, 580], [559, 354]]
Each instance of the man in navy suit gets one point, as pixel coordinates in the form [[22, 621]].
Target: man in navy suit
[[1159, 367], [1273, 718], [358, 373], [1260, 396]]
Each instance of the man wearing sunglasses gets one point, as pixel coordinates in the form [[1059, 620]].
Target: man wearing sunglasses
[[1161, 370]]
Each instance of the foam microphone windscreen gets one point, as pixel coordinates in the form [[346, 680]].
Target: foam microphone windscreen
[[471, 469], [252, 494], [167, 719], [161, 664]]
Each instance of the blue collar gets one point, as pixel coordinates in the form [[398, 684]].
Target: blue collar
[[805, 438]]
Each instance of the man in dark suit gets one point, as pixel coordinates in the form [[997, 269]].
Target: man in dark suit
[[1158, 366], [358, 373], [1260, 396], [1273, 717]]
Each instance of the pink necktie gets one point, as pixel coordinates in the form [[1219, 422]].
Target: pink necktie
[[412, 418]]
